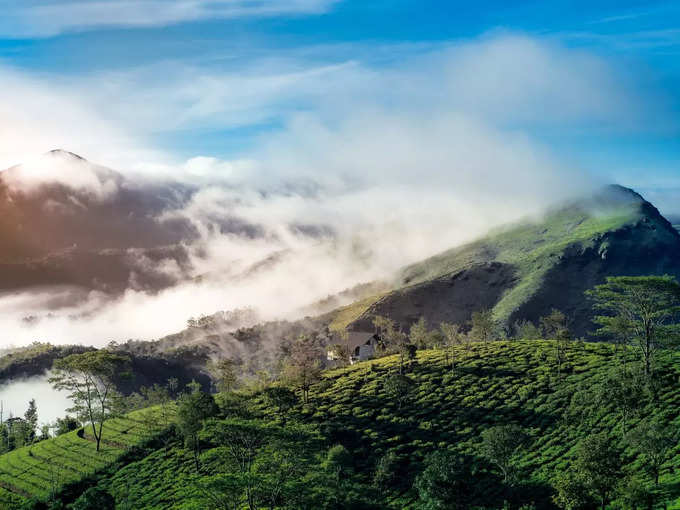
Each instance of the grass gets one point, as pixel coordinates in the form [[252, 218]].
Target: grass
[[44, 468]]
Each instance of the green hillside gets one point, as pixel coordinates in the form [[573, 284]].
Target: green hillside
[[445, 409], [521, 271], [38, 471]]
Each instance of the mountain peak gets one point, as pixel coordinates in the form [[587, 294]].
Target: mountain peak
[[62, 152]]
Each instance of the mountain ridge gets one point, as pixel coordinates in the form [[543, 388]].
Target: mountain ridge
[[521, 271]]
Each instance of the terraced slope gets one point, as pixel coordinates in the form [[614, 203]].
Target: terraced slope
[[523, 271], [491, 384], [43, 469]]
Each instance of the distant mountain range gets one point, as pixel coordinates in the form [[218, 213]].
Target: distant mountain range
[[101, 232], [65, 221]]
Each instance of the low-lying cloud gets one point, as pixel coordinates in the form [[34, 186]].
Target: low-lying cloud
[[371, 169]]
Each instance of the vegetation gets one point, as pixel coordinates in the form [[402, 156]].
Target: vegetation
[[42, 471], [90, 379], [500, 427], [444, 419], [642, 311]]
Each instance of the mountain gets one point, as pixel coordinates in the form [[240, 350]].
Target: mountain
[[66, 221], [522, 271]]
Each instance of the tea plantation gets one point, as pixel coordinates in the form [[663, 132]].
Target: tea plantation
[[40, 471], [359, 443]]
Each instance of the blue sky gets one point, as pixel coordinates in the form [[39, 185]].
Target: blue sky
[[171, 80]]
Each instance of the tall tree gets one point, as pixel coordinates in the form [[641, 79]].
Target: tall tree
[[193, 409], [281, 398], [555, 325], [644, 309], [419, 333], [571, 492], [446, 482], [31, 422], [391, 338], [225, 373], [90, 379], [452, 337], [303, 367], [655, 442], [598, 463], [398, 387], [624, 390], [500, 445], [526, 330], [483, 326]]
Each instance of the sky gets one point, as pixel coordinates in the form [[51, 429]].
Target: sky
[[354, 136], [153, 82]]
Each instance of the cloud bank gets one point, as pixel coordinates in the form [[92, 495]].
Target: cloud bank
[[367, 169]]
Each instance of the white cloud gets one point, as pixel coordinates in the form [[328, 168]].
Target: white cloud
[[384, 166], [51, 17]]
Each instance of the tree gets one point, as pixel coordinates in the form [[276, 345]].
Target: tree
[[555, 325], [419, 333], [267, 465], [598, 463], [452, 337], [341, 353], [193, 409], [655, 443], [90, 377], [571, 492], [338, 462], [304, 365], [398, 387], [500, 445], [243, 440], [225, 374], [279, 469], [94, 498], [624, 390], [281, 398], [385, 471], [644, 309], [221, 492], [483, 326], [390, 336], [392, 339], [31, 421], [446, 482], [635, 494], [65, 424], [526, 330]]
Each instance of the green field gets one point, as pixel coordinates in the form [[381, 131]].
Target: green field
[[495, 383], [43, 469]]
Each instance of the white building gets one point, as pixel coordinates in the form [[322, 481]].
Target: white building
[[360, 346]]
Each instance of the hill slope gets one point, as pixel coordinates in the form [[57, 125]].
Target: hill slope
[[523, 271], [445, 409]]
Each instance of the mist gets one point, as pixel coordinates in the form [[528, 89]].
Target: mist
[[51, 404], [369, 171]]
